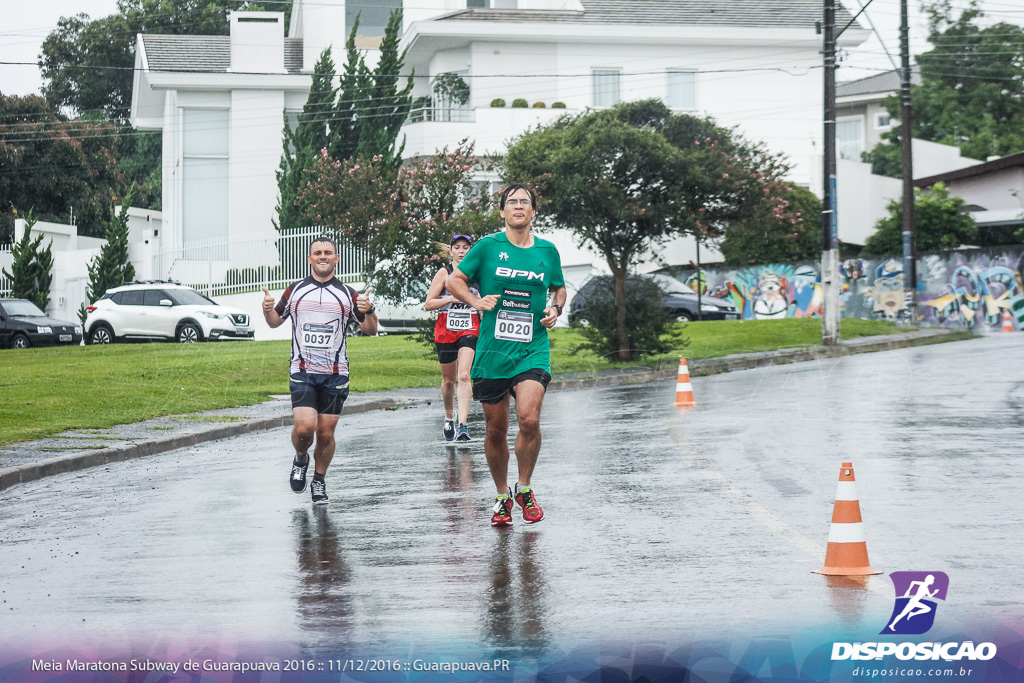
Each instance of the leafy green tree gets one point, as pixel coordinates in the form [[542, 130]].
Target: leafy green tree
[[779, 232], [111, 267], [972, 90], [31, 269], [399, 217], [887, 156], [648, 321], [626, 179], [56, 166], [941, 222]]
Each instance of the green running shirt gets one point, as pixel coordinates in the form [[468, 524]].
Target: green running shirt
[[512, 340]]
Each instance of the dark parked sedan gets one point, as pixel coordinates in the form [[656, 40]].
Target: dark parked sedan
[[22, 325], [680, 300]]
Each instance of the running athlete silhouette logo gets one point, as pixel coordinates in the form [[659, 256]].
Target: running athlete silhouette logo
[[914, 611]]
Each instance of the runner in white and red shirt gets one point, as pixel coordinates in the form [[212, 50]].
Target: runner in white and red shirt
[[320, 308], [455, 335]]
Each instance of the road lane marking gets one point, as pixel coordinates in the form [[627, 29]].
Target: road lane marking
[[752, 507]]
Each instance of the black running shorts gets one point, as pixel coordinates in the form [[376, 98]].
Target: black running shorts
[[495, 390], [449, 353], [324, 393]]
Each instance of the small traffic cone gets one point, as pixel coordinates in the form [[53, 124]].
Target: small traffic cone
[[684, 391], [1007, 321], [847, 553]]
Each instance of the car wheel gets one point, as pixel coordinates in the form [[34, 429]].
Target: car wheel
[[683, 317], [20, 341], [189, 334], [101, 334], [353, 330]]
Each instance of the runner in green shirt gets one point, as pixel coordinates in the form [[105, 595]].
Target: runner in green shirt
[[515, 271]]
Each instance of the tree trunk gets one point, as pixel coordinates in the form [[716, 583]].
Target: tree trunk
[[620, 312]]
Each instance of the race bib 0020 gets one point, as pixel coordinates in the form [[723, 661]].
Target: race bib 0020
[[317, 336], [514, 326], [459, 321]]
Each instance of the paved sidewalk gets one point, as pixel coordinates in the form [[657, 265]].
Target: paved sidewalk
[[82, 448]]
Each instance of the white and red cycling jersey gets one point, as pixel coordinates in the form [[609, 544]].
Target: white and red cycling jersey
[[320, 313]]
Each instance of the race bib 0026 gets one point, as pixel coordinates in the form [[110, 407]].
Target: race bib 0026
[[514, 326], [459, 321]]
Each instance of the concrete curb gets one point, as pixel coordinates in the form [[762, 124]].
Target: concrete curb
[[10, 476]]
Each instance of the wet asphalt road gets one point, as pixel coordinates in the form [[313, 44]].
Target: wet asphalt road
[[660, 525]]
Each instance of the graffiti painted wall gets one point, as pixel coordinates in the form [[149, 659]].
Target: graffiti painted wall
[[965, 289]]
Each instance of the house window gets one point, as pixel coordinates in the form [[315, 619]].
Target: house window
[[606, 87], [850, 137], [682, 90], [883, 121], [205, 174], [373, 15]]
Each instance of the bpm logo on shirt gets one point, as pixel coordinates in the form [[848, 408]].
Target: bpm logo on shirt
[[916, 595], [505, 273]]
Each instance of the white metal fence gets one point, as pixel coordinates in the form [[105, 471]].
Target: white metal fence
[[6, 261], [219, 266]]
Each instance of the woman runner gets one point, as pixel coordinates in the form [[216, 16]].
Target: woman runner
[[455, 335]]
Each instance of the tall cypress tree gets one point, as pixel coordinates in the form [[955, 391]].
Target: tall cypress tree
[[111, 267], [383, 108], [302, 145], [31, 270], [354, 84], [362, 116]]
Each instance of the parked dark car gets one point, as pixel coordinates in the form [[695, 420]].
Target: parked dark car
[[680, 300], [22, 325]]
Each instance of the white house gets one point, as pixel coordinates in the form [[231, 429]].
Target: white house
[[861, 120], [220, 100]]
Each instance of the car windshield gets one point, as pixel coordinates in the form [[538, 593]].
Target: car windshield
[[671, 285], [189, 297], [23, 308]]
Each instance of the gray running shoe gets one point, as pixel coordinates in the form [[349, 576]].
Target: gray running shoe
[[298, 475], [463, 432], [318, 489]]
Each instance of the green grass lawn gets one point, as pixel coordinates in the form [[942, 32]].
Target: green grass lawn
[[50, 390]]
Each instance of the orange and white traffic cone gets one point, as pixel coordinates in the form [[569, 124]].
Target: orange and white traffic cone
[[1007, 321], [684, 391], [847, 552]]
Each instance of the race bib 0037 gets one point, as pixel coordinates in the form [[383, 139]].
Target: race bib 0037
[[317, 336], [514, 326], [459, 321]]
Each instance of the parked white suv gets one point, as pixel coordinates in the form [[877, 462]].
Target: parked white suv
[[162, 310]]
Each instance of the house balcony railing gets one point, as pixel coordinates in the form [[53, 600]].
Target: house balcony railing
[[442, 114]]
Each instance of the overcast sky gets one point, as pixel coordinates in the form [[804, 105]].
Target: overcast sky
[[27, 22]]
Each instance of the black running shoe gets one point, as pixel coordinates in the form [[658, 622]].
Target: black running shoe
[[463, 432], [318, 489], [449, 430], [298, 475]]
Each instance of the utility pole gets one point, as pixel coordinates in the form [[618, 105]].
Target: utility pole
[[700, 299], [906, 138], [829, 227]]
